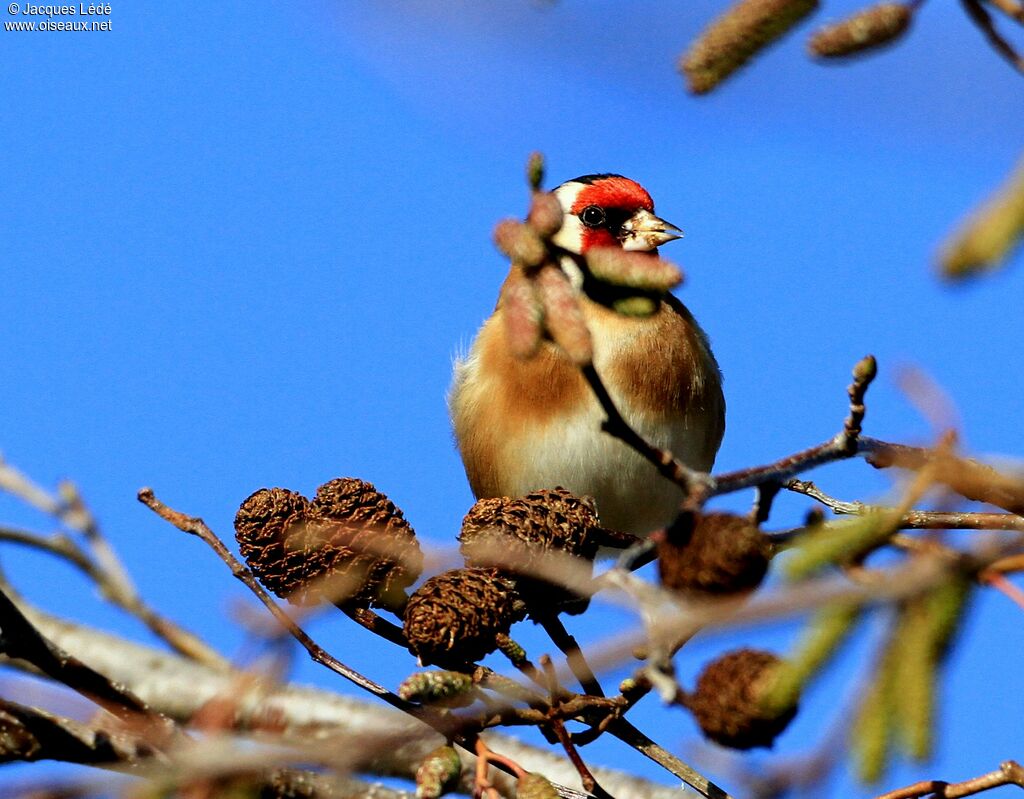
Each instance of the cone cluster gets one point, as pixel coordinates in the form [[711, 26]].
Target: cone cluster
[[350, 545], [722, 554], [728, 701]]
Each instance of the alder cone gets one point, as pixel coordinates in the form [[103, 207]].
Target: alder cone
[[725, 554], [516, 535], [728, 700], [351, 545], [265, 522], [356, 532], [456, 617]]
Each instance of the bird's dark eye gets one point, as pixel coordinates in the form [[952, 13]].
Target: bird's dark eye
[[593, 216]]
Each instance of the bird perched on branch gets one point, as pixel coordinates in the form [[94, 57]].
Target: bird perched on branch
[[527, 423]]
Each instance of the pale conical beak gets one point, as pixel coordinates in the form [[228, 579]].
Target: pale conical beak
[[645, 231]]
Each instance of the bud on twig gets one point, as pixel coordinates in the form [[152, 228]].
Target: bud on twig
[[868, 29], [445, 688], [737, 35], [439, 773], [535, 170]]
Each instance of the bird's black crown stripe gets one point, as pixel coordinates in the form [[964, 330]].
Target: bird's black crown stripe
[[588, 179]]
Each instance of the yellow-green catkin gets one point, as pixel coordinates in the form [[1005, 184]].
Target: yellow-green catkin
[[868, 29], [822, 637], [928, 624], [871, 735], [988, 237], [736, 36], [836, 542]]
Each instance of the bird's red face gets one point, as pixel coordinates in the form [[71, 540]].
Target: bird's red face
[[609, 211]]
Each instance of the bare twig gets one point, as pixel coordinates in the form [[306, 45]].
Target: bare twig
[[1011, 8], [983, 20], [101, 563], [571, 649], [913, 519], [615, 425], [1009, 772]]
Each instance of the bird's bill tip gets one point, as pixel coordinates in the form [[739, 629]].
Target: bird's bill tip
[[645, 231]]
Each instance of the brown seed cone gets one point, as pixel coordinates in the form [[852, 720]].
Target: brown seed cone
[[866, 30], [515, 536], [727, 702], [263, 524], [455, 617], [360, 541], [724, 554]]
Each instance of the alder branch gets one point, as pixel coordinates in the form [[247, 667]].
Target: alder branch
[[1010, 772], [30, 734], [195, 526], [20, 639], [100, 564], [913, 519], [179, 688]]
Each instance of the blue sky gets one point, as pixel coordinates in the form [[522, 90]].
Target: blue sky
[[242, 243]]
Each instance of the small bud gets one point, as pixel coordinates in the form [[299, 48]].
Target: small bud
[[865, 369], [868, 29], [456, 617], [439, 773], [563, 316], [637, 270], [535, 786], [737, 35], [724, 554], [445, 688], [991, 233], [522, 314], [520, 243], [728, 700], [535, 170], [545, 215]]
